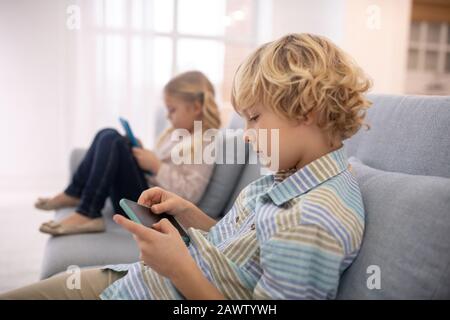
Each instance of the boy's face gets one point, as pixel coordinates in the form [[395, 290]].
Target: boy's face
[[293, 137]]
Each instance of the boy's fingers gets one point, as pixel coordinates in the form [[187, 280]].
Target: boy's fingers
[[162, 206], [150, 196], [157, 226], [164, 226], [136, 229]]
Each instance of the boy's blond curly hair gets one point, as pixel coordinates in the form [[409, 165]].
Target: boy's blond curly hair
[[300, 73]]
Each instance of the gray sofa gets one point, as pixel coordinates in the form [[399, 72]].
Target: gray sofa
[[402, 165]]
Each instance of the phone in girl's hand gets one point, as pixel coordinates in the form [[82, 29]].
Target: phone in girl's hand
[[129, 133], [133, 140], [144, 215]]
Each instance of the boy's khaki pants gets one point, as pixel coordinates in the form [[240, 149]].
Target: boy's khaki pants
[[92, 283]]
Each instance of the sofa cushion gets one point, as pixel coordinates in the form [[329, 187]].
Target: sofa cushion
[[252, 169], [251, 172], [116, 245], [407, 235]]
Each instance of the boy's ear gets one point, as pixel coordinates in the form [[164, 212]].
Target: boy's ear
[[310, 118], [307, 119]]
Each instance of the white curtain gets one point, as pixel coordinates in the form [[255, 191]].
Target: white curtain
[[115, 67]]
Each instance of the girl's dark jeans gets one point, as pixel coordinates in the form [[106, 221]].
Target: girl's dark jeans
[[108, 169]]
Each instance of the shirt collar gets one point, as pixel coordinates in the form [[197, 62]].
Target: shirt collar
[[308, 177]]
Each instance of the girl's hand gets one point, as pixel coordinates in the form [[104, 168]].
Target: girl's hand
[[160, 200], [161, 246], [146, 159], [140, 143]]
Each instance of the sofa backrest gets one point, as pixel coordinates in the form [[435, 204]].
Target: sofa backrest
[[406, 193], [250, 173], [405, 252], [408, 134], [251, 170], [229, 166]]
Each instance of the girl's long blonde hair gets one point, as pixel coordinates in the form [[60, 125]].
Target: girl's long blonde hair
[[191, 87]]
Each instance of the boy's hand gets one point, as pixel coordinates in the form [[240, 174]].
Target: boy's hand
[[146, 159], [160, 200], [161, 246]]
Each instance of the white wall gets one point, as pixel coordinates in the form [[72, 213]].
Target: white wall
[[31, 133], [43, 92], [49, 99], [323, 17], [381, 52], [352, 25]]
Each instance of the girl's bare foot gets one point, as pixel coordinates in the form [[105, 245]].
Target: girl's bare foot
[[59, 201]]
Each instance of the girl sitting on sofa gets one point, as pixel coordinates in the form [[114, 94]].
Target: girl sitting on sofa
[[112, 168]]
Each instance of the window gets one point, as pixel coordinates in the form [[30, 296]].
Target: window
[[429, 46], [141, 44], [429, 58]]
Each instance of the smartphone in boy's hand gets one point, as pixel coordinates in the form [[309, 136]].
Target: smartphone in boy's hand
[[144, 215]]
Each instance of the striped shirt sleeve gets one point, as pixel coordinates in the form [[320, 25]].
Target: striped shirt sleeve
[[302, 262]]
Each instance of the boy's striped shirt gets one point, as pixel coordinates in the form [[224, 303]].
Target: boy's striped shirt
[[288, 236]]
